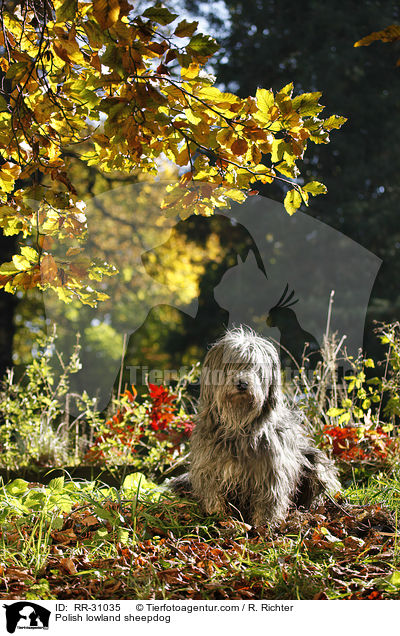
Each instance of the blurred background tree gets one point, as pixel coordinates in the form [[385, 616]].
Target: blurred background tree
[[270, 43]]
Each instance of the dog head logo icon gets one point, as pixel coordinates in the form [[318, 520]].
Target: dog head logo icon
[[26, 615]]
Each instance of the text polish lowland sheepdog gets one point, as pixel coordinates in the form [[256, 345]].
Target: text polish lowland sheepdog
[[249, 452]]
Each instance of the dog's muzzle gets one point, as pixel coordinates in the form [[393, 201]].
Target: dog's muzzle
[[242, 385]]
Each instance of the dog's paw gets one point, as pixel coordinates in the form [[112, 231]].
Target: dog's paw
[[215, 507]]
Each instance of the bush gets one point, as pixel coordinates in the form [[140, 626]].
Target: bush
[[32, 430], [150, 432], [354, 417]]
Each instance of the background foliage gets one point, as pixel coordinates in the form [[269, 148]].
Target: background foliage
[[107, 86], [313, 43]]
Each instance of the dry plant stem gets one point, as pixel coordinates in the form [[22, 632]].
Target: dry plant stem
[[328, 320], [329, 354], [123, 354], [285, 350], [385, 375]]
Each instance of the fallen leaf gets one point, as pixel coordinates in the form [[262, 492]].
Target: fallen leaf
[[69, 566]]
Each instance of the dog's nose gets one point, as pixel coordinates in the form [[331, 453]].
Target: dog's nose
[[242, 385]]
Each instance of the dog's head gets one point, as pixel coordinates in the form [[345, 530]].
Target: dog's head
[[240, 378]]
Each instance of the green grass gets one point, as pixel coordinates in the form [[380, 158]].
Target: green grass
[[86, 540]]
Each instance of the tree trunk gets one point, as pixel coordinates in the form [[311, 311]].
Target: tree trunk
[[8, 303]]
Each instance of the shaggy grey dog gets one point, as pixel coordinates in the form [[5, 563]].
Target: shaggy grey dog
[[249, 452]]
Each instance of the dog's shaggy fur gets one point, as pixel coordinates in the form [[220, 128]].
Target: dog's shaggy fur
[[249, 452]]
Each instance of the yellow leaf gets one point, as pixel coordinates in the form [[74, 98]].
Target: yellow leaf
[[265, 100], [286, 90], [20, 262], [235, 195], [106, 12], [9, 172], [191, 72], [5, 184], [226, 136], [307, 104], [315, 188], [4, 64], [68, 51], [192, 117], [390, 34], [213, 94], [334, 121], [292, 201], [29, 253]]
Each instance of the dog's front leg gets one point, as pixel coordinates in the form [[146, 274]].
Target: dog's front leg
[[267, 508], [207, 491], [213, 505]]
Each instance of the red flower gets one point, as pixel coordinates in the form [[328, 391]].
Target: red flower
[[160, 395], [347, 444], [131, 395]]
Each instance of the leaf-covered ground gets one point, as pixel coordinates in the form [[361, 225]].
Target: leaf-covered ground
[[86, 541]]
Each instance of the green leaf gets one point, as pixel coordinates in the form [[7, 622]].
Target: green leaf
[[36, 500], [344, 418], [347, 403], [307, 104], [159, 14], [8, 268], [334, 412], [16, 71], [103, 513], [123, 536], [289, 171], [101, 534], [395, 578], [185, 29], [138, 485], [203, 45], [358, 412], [89, 97], [315, 188], [66, 11], [292, 201], [330, 537], [57, 484], [58, 523], [17, 487], [3, 104], [334, 122], [94, 33]]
